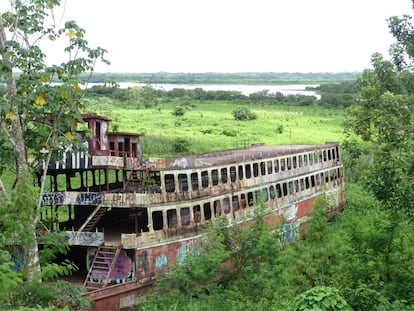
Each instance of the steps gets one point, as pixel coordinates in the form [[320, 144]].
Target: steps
[[93, 219], [102, 264], [136, 180]]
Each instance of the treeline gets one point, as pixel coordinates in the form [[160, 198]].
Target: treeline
[[340, 94], [222, 78]]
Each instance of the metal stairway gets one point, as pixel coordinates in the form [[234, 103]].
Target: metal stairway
[[93, 218], [101, 267]]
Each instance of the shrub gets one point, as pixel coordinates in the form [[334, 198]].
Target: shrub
[[181, 145], [178, 111], [243, 114], [319, 298]]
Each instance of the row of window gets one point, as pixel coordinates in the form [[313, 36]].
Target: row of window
[[214, 177], [275, 191]]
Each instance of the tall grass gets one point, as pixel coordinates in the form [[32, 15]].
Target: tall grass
[[211, 126]]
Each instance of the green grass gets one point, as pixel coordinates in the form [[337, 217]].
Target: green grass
[[211, 126]]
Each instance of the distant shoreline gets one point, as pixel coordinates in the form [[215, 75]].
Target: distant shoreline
[[221, 78]]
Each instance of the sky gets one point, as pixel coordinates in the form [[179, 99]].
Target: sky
[[235, 35]]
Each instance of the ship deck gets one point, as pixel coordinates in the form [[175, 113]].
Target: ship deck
[[225, 157], [253, 152]]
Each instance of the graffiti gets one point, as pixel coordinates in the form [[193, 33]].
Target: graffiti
[[121, 270], [143, 264], [160, 261], [86, 198], [288, 232], [107, 161], [85, 238], [181, 163], [80, 198], [52, 198], [184, 250], [290, 212], [16, 262]]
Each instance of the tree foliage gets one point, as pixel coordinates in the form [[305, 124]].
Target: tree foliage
[[384, 117], [41, 106], [38, 115]]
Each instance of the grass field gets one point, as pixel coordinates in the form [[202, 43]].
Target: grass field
[[211, 126]]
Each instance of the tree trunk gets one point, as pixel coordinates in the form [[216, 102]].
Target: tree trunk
[[14, 133], [2, 188]]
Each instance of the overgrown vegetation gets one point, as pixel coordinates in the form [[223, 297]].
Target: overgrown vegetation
[[361, 259], [340, 264]]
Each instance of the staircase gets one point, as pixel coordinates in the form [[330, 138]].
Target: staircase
[[136, 180], [93, 218], [101, 267]]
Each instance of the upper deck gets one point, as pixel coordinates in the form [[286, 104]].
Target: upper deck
[[234, 156]]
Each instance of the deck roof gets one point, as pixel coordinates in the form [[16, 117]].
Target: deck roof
[[253, 152]]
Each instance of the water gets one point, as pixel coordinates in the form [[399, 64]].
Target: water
[[245, 89]]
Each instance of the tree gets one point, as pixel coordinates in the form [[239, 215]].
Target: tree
[[384, 118], [40, 111]]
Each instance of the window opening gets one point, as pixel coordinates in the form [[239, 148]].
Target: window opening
[[285, 190], [157, 220], [197, 213], [262, 168], [217, 208], [214, 177], [241, 172], [276, 165], [278, 191], [248, 169], [183, 182], [272, 192], [235, 203], [204, 179], [255, 169], [172, 218], [250, 198], [185, 216], [243, 202], [169, 183], [233, 174], [207, 211], [226, 205], [224, 175], [194, 181]]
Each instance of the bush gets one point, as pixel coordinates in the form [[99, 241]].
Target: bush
[[243, 114], [319, 298], [178, 111], [181, 145]]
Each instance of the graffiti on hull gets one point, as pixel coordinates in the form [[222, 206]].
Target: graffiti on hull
[[78, 198], [119, 273], [85, 238]]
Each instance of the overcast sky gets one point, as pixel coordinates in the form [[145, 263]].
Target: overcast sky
[[237, 35]]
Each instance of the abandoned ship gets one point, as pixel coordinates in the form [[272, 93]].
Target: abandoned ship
[[130, 218]]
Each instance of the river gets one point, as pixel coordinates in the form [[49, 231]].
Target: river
[[245, 89]]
